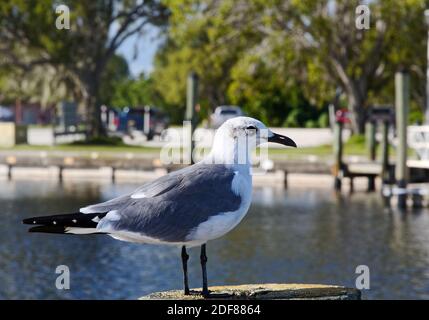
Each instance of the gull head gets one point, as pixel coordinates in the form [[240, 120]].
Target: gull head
[[241, 135]]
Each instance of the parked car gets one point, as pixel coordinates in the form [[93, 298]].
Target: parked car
[[223, 113], [149, 120], [158, 121], [6, 114]]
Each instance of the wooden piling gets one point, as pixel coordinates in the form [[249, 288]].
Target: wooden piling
[[371, 146], [60, 173], [338, 154], [9, 171], [113, 175], [370, 139], [385, 176], [402, 96], [191, 102], [417, 201], [285, 183]]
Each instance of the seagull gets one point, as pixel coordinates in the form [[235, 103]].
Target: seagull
[[185, 208]]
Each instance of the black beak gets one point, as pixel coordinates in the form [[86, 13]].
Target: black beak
[[278, 138]]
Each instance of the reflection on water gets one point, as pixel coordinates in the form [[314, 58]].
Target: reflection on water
[[299, 235]]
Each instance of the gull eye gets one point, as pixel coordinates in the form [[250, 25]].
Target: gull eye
[[251, 130]]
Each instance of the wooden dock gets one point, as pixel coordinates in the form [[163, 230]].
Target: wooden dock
[[120, 167], [369, 170]]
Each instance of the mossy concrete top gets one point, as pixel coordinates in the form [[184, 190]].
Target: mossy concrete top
[[270, 291]]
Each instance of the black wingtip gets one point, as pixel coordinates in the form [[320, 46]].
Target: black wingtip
[[47, 229], [81, 220], [29, 221]]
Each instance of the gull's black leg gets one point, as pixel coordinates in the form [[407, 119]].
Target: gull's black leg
[[185, 258], [203, 259]]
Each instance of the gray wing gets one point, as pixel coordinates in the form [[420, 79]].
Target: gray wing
[[150, 189], [169, 208]]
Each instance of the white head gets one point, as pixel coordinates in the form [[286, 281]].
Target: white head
[[235, 140]]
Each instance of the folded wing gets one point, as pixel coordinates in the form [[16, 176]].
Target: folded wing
[[168, 209]]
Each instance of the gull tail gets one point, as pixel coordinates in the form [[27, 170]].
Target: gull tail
[[74, 223]]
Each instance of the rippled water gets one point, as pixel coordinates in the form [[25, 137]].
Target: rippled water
[[299, 235]]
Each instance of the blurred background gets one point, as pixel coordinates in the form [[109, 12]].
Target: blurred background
[[282, 62], [90, 92]]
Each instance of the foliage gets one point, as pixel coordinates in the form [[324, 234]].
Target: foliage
[[268, 97], [136, 92], [115, 74], [28, 37], [99, 141], [273, 57], [199, 40], [282, 61]]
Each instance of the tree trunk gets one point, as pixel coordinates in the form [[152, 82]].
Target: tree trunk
[[357, 108], [356, 90], [94, 119], [93, 108], [18, 111]]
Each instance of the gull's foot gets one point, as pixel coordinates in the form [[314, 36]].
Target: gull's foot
[[205, 293]]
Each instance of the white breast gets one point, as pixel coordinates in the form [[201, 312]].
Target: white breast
[[222, 223]]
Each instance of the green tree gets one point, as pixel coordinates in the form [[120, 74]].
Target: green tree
[[337, 53], [272, 56], [200, 40], [97, 29], [273, 98], [135, 93], [115, 74]]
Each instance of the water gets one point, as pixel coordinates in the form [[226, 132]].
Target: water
[[295, 236]]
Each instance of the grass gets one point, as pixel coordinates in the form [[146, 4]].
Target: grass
[[352, 147], [355, 146], [320, 151], [84, 148]]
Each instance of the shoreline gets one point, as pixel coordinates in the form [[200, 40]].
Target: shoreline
[[274, 178]]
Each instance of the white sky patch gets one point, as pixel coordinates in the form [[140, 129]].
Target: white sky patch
[[145, 46]]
